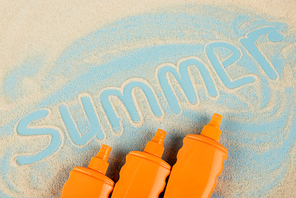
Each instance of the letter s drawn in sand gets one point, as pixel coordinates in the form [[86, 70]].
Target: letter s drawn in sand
[[23, 129]]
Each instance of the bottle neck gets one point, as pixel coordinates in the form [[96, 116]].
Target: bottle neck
[[100, 162], [155, 146], [212, 130]]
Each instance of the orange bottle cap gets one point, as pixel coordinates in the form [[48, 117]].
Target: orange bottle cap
[[212, 130], [100, 162], [155, 146]]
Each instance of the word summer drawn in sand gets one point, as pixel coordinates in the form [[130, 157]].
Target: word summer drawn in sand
[[181, 72]]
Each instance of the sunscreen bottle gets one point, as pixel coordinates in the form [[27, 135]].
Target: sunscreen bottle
[[199, 163], [90, 182], [144, 173]]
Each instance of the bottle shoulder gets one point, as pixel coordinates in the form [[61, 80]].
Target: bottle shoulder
[[150, 157], [208, 140], [95, 174]]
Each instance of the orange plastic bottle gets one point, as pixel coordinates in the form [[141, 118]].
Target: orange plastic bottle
[[144, 173], [199, 163], [90, 182]]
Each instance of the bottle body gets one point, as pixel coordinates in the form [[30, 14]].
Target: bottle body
[[143, 175], [85, 182], [90, 182], [199, 163]]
